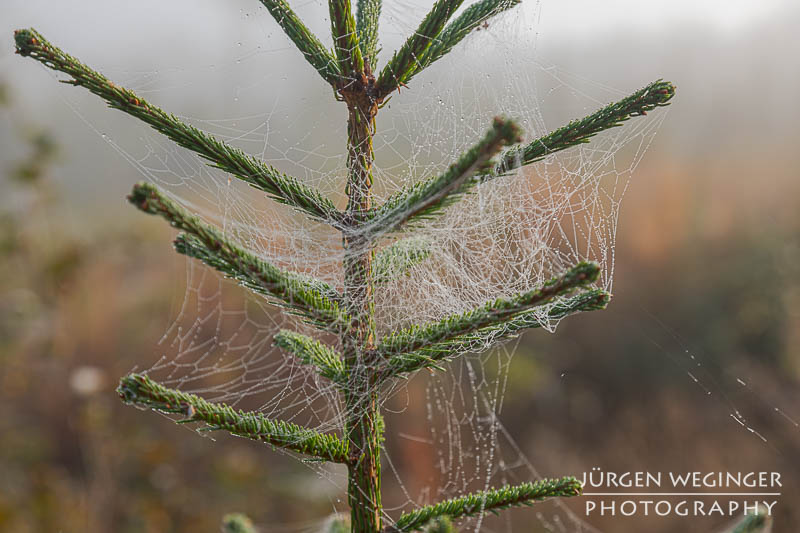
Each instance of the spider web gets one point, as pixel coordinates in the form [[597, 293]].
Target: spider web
[[509, 236]]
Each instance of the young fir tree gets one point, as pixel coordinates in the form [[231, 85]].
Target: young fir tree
[[362, 364]]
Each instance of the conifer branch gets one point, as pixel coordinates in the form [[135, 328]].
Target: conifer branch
[[492, 501], [305, 41], [367, 17], [138, 389], [759, 522], [475, 15], [309, 351], [406, 61], [337, 524], [207, 243], [440, 524], [435, 355], [237, 523], [656, 94], [191, 246], [429, 197], [345, 38], [490, 314], [280, 187], [397, 258]]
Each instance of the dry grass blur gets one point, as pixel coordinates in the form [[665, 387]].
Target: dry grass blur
[[708, 266]]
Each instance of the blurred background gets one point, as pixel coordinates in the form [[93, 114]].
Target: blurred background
[[694, 367]]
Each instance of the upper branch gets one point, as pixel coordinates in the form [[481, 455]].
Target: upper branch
[[425, 198], [313, 50], [656, 94], [492, 500], [313, 299], [280, 187], [367, 17], [405, 61], [434, 355], [490, 314], [345, 38], [475, 15], [140, 390]]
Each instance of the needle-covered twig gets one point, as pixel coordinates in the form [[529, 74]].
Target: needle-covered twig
[[311, 299], [429, 197], [491, 314], [140, 390], [488, 501], [280, 187]]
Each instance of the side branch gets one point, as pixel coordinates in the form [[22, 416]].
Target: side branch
[[433, 356], [305, 41], [309, 351], [406, 61], [426, 198], [310, 299], [475, 15], [280, 187], [492, 500], [491, 314], [138, 389], [657, 94]]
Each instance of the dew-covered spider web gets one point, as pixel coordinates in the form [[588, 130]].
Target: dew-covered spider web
[[510, 235]]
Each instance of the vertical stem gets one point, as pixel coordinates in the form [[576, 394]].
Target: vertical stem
[[361, 398]]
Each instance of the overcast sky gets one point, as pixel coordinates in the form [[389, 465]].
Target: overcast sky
[[599, 14]]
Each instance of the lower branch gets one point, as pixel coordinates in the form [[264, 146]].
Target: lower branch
[[760, 522], [435, 355], [491, 500], [490, 314], [138, 389]]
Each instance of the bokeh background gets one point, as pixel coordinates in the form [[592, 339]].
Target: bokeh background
[[707, 269]]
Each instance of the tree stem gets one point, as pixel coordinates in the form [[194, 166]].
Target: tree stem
[[362, 425]]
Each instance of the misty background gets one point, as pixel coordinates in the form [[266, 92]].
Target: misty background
[[707, 264]]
